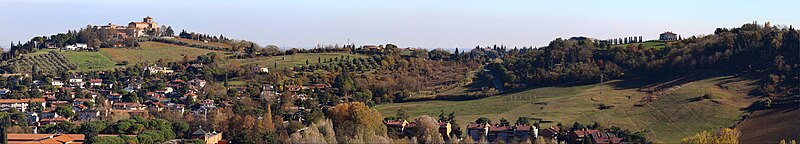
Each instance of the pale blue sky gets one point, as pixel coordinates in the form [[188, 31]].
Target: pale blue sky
[[407, 23]]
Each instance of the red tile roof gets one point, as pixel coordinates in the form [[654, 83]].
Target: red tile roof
[[476, 126], [8, 101], [45, 138], [499, 128], [522, 128]]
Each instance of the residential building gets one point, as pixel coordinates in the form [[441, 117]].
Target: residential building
[[57, 83], [498, 133], [477, 131], [96, 82], [396, 128], [550, 133], [128, 106], [157, 69], [208, 137], [604, 138], [20, 104], [578, 136]]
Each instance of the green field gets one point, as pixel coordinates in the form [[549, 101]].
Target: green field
[[669, 119], [649, 44], [153, 51], [89, 61], [298, 59]]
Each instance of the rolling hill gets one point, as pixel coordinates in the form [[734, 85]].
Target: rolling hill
[[678, 113]]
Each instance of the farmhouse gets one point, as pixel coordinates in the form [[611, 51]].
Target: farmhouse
[[668, 36], [77, 46]]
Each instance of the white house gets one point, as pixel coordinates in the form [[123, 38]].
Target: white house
[[57, 83], [96, 82], [77, 46], [197, 82], [19, 104], [157, 69], [264, 69]]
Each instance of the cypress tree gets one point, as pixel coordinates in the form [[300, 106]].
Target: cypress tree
[[13, 49]]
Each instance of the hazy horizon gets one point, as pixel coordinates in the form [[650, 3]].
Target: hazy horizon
[[414, 23]]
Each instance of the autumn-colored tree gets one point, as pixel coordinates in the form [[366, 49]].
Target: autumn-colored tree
[[266, 123], [428, 130], [356, 121], [318, 133], [725, 135]]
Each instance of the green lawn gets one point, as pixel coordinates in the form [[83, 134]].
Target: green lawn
[[298, 59], [669, 119], [153, 51], [89, 61]]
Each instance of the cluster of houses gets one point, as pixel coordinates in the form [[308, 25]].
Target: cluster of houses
[[97, 99], [495, 133], [501, 133], [491, 133]]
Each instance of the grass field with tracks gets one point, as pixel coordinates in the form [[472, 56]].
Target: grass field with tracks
[[153, 51]]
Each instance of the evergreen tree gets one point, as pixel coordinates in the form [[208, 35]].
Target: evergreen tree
[[13, 49], [169, 31]]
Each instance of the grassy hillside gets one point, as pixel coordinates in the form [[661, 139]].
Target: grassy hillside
[[298, 59], [89, 61], [672, 117], [153, 51]]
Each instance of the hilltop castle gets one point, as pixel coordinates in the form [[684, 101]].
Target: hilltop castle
[[146, 27]]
